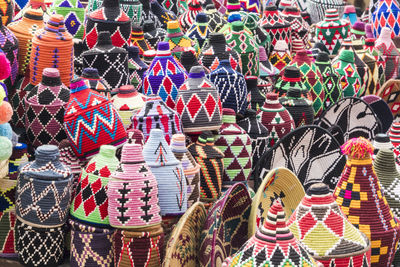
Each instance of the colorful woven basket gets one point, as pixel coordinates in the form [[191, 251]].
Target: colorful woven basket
[[44, 190], [320, 160], [93, 81], [110, 61], [255, 97], [280, 56], [137, 39], [391, 56], [52, 47], [369, 47], [18, 158], [45, 107], [171, 180], [132, 192], [7, 11], [191, 168], [50, 252], [152, 34], [90, 203], [300, 28], [231, 86], [273, 244], [111, 18], [187, 18], [137, 68], [24, 30], [235, 143], [155, 114], [279, 183], [389, 93], [182, 247], [386, 15], [319, 8], [7, 218], [88, 110], [381, 110], [9, 46], [199, 31], [177, 41], [371, 62], [90, 246], [164, 76], [300, 108], [222, 233], [210, 159], [354, 116], [39, 5], [16, 99], [291, 78], [215, 50], [330, 237], [74, 16], [198, 103], [141, 247]]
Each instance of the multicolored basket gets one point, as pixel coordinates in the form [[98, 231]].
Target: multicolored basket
[[52, 47], [7, 218], [18, 158], [137, 68], [9, 46], [91, 246], [227, 220], [74, 16], [279, 183], [137, 39], [210, 159], [361, 199], [153, 34], [90, 203], [155, 114], [132, 192], [199, 31], [319, 8], [280, 56], [182, 247], [389, 92], [191, 168], [171, 180], [177, 41], [391, 56], [93, 81], [188, 17], [386, 15], [300, 108]]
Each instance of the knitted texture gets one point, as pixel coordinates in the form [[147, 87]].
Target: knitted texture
[[7, 11], [148, 14], [93, 81], [169, 173], [319, 8], [152, 34], [331, 239], [369, 47], [275, 118], [164, 76], [330, 78], [90, 204], [110, 61], [391, 56], [386, 15], [155, 114], [394, 139], [276, 26], [25, 5], [332, 31], [134, 10], [299, 27], [43, 189], [132, 192], [141, 247], [188, 60], [381, 110], [7, 218], [361, 199], [178, 42], [16, 99], [18, 158], [137, 39], [50, 252], [215, 19], [187, 18], [45, 107], [235, 143], [246, 46], [358, 31], [127, 101], [182, 247], [349, 14], [88, 129], [9, 45], [68, 158], [280, 55], [349, 77], [215, 50], [346, 113], [291, 78], [371, 62], [111, 18], [231, 87], [299, 108], [199, 31], [312, 79], [257, 132], [163, 14], [255, 97], [389, 93], [389, 177], [90, 246], [231, 212], [137, 68], [74, 15], [191, 168], [24, 30], [52, 47], [210, 159], [198, 103], [273, 244], [321, 160]]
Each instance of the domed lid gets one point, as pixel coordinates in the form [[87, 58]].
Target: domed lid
[[126, 91], [237, 26], [135, 136], [132, 163], [197, 80], [173, 29], [359, 27], [347, 56], [235, 16], [331, 14], [90, 73], [201, 18], [31, 21], [110, 11], [322, 57], [178, 143], [157, 152], [188, 59], [217, 38], [54, 32], [149, 26]]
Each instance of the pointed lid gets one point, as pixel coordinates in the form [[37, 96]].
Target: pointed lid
[[197, 80], [157, 152], [54, 32], [131, 166], [32, 19], [328, 222], [386, 170]]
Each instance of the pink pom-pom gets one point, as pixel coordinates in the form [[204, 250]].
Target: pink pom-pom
[[358, 148], [5, 68], [6, 112]]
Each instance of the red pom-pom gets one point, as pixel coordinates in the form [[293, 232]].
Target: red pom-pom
[[5, 68], [6, 112]]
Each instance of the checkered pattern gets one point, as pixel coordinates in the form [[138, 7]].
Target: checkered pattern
[[280, 56]]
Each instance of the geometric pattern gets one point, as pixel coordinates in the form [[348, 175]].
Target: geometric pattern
[[199, 32], [360, 196], [349, 77], [272, 245], [317, 8], [7, 234], [391, 58], [91, 246], [354, 116], [386, 15], [300, 27], [235, 143], [280, 56], [74, 15], [215, 19], [390, 93], [50, 252], [225, 226], [7, 195], [188, 18], [310, 152], [9, 45], [16, 99]]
